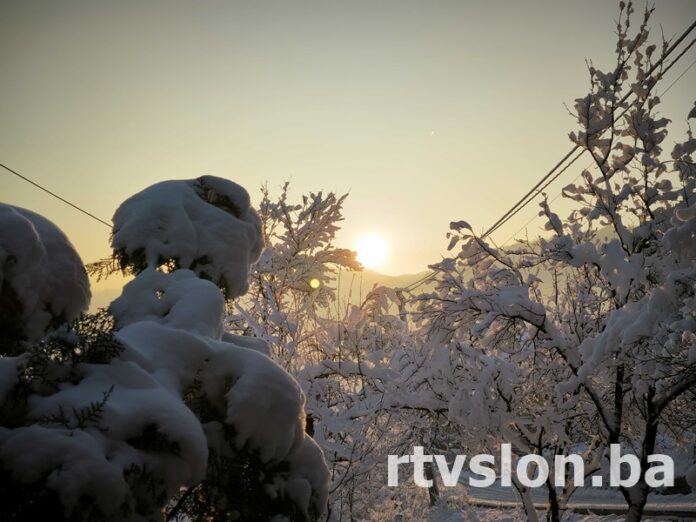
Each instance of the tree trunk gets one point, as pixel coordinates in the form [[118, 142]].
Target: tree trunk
[[638, 495], [527, 502], [433, 492], [553, 512]]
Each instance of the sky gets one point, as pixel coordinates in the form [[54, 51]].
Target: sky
[[424, 112]]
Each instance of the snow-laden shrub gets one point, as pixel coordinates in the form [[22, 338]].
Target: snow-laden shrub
[[250, 409], [54, 461], [42, 279], [206, 225], [152, 410]]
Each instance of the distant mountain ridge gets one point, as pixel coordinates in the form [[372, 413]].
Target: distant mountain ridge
[[353, 284]]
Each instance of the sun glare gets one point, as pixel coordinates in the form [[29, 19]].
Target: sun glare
[[372, 251]]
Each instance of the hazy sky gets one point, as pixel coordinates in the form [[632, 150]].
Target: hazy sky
[[426, 112]]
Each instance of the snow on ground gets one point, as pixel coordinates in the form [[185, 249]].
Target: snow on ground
[[584, 500], [461, 505], [481, 514]]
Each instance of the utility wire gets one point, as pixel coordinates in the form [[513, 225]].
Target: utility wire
[[523, 202], [512, 236], [419, 282], [526, 199], [590, 164], [541, 185], [55, 195], [532, 192], [544, 187], [678, 78]]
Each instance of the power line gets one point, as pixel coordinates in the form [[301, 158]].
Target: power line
[[55, 195], [541, 185], [662, 73], [419, 282], [521, 203], [529, 196], [590, 164], [678, 78], [545, 186], [512, 236]]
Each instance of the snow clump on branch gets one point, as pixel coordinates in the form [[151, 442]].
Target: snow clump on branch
[[42, 279], [206, 225]]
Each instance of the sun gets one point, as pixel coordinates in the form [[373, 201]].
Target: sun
[[372, 251]]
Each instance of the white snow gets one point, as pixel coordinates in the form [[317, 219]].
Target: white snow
[[42, 267], [76, 463], [307, 483], [205, 224], [170, 324], [178, 342], [180, 300], [8, 374]]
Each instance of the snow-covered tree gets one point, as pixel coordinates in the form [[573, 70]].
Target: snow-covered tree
[[155, 411], [589, 330], [342, 355]]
